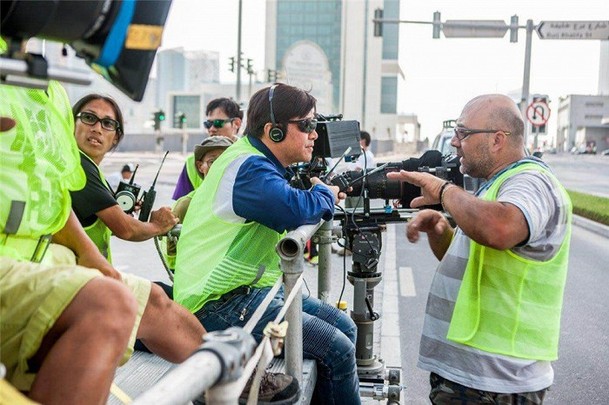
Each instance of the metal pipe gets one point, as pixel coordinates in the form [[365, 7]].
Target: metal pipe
[[13, 68], [290, 249], [324, 266], [293, 341], [195, 375], [292, 245]]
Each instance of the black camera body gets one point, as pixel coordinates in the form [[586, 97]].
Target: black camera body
[[378, 186], [127, 195]]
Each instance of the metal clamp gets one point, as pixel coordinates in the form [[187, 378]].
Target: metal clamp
[[233, 347]]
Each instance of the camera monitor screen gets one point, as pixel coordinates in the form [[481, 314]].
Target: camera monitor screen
[[335, 137]]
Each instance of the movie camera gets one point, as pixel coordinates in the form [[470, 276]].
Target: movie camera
[[340, 140], [373, 183], [118, 39]]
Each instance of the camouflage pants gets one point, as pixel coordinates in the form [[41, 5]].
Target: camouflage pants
[[448, 392]]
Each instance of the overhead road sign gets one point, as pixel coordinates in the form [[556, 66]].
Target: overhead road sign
[[538, 113], [573, 30], [474, 28]]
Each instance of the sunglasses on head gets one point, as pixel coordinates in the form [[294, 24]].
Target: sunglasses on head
[[217, 123], [307, 125], [91, 119]]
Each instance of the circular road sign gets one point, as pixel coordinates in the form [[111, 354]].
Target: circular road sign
[[538, 113]]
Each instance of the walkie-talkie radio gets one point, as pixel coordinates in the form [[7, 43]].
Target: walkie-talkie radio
[[149, 196], [127, 193]]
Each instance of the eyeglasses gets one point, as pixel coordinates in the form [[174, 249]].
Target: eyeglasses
[[461, 133], [217, 123], [307, 125], [91, 119]]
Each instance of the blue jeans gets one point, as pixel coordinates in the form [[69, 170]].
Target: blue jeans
[[328, 337]]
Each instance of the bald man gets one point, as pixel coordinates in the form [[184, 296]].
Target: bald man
[[493, 313]]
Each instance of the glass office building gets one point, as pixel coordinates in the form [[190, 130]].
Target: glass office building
[[328, 47]]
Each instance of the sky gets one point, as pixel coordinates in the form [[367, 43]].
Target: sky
[[441, 75]]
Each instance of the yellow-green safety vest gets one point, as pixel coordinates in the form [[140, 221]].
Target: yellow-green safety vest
[[508, 304], [98, 231]]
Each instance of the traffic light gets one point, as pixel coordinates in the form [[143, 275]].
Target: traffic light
[[250, 67], [182, 120], [271, 75], [514, 28], [159, 116], [231, 64], [437, 25], [378, 25]]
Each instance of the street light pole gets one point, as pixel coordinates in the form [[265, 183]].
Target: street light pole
[[524, 101], [238, 90]]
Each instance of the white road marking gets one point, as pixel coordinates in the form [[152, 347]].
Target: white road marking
[[407, 288], [390, 319]]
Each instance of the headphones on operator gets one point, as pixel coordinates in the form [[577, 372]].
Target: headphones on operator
[[276, 133]]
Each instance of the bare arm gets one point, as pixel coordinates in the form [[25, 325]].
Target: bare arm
[[439, 232], [73, 236], [489, 223], [129, 228]]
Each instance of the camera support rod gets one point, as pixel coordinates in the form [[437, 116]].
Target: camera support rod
[[17, 72]]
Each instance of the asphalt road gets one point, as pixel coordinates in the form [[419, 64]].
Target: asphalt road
[[584, 173]]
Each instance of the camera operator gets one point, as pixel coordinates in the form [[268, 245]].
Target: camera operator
[[226, 261], [493, 313]]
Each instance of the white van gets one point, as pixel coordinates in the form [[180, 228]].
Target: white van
[[442, 143]]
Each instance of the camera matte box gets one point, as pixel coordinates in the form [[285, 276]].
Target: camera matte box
[[335, 137]]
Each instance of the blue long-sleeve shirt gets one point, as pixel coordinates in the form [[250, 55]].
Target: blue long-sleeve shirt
[[262, 193]]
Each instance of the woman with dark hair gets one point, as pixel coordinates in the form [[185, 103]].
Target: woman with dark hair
[[98, 129]]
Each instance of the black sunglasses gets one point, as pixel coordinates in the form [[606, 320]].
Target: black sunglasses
[[91, 119], [461, 133], [217, 123], [307, 125]]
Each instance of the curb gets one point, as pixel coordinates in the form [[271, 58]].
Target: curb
[[591, 226]]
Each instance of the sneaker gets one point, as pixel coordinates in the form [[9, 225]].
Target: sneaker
[[275, 389]]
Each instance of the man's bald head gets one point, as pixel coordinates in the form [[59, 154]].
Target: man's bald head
[[499, 112]]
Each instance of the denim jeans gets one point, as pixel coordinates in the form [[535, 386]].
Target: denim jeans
[[328, 337]]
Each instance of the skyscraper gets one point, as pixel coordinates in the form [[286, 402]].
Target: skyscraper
[[328, 47]]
